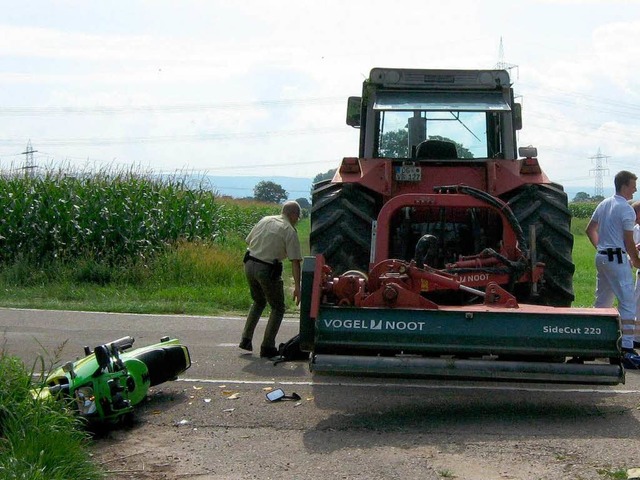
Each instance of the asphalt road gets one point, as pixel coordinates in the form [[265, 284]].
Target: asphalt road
[[215, 423]]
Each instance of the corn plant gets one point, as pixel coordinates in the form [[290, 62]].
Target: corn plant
[[111, 216], [582, 209]]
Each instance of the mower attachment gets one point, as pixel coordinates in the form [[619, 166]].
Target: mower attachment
[[493, 340]]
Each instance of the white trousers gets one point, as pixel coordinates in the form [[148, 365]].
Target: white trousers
[[637, 333], [615, 280]]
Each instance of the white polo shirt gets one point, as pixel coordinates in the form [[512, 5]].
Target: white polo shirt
[[613, 215]]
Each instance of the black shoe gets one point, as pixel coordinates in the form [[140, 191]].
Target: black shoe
[[268, 352], [245, 344], [631, 361]]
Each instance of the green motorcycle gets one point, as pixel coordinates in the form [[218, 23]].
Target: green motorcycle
[[107, 383]]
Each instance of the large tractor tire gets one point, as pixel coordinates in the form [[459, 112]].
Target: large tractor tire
[[545, 206], [341, 222]]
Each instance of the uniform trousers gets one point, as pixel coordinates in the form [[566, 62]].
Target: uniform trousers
[[264, 289]]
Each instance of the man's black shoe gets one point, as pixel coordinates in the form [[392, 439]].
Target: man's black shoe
[[631, 360], [268, 352], [245, 344]]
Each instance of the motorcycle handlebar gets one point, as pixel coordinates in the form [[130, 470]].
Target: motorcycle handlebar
[[123, 343]]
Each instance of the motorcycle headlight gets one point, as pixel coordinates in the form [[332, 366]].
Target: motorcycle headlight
[[86, 401]]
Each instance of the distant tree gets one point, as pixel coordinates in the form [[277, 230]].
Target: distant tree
[[270, 192], [305, 205], [325, 176], [303, 202], [582, 197], [597, 198], [396, 145]]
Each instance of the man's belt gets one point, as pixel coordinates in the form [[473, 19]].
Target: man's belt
[[248, 257], [610, 252]]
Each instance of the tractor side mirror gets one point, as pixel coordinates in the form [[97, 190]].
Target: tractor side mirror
[[278, 394], [275, 395], [528, 152], [517, 116], [354, 105]]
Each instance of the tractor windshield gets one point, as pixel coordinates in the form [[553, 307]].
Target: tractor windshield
[[471, 120], [468, 130]]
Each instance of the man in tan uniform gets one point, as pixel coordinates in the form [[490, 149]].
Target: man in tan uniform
[[271, 240]]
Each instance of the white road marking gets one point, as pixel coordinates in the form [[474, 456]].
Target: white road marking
[[512, 388]]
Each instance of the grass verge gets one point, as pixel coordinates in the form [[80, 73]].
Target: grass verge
[[191, 279], [39, 440]]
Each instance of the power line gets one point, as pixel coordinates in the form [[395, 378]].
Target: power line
[[176, 108], [200, 137]]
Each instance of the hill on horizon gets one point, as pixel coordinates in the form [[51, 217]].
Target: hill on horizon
[[242, 186], [299, 187]]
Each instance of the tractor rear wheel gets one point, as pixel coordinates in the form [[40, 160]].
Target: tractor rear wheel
[[341, 220], [545, 206]]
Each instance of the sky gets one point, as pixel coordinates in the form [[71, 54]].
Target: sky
[[259, 87]]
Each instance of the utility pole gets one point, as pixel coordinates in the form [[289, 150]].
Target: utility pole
[[599, 171], [29, 164], [502, 65]]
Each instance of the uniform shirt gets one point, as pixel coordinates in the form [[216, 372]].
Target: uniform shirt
[[613, 215], [274, 238]]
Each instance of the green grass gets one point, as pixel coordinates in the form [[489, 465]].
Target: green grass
[[39, 440], [584, 278], [612, 474], [192, 279]]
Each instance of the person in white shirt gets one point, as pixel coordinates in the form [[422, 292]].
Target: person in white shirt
[[610, 231]]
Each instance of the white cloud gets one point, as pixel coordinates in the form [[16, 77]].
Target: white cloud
[[211, 69], [617, 46]]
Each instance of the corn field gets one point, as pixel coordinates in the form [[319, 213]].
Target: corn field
[[111, 217], [582, 209]]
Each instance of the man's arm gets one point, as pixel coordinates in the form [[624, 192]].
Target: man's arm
[[592, 233], [295, 269], [631, 249]]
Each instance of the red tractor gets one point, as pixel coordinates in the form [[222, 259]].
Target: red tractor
[[448, 136], [444, 240]]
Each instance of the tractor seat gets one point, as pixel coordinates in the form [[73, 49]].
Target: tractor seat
[[436, 150]]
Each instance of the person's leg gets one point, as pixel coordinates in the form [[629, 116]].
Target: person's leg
[[274, 291], [252, 271], [604, 293], [636, 339], [624, 291]]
